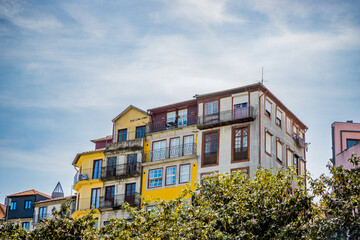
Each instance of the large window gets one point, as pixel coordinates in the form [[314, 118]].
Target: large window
[[131, 164], [188, 145], [244, 170], [130, 193], [170, 175], [109, 196], [268, 140], [240, 111], [211, 112], [174, 147], [122, 135], [155, 178], [111, 167], [25, 225], [97, 169], [171, 119], [27, 204], [95, 198], [240, 138], [159, 150], [278, 117], [140, 131], [13, 206], [210, 155], [42, 212], [184, 173], [279, 151], [182, 118], [268, 108]]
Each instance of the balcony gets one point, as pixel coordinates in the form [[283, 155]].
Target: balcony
[[121, 171], [118, 200], [87, 174], [115, 201], [226, 118], [135, 144], [164, 125], [170, 152], [298, 140]]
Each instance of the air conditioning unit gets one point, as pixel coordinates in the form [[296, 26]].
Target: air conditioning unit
[[7, 201], [83, 177]]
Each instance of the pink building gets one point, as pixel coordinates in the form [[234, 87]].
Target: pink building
[[345, 142]]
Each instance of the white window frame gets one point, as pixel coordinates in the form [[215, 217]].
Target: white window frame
[[172, 176], [279, 151], [182, 121], [268, 142], [155, 178], [268, 107], [184, 177]]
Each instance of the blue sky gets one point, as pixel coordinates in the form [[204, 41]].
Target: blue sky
[[68, 67]]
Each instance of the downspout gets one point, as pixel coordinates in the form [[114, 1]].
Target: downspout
[[260, 126], [333, 144]]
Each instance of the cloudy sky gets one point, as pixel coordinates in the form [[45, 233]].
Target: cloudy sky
[[68, 67]]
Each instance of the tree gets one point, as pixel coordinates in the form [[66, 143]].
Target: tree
[[339, 203]]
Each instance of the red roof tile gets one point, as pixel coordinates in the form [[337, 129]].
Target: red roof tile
[[29, 192], [102, 139]]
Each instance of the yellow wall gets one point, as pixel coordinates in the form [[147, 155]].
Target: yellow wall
[[130, 120], [167, 193]]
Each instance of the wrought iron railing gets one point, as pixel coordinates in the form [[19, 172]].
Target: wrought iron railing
[[121, 170], [298, 140], [120, 199], [226, 117], [170, 152], [166, 125]]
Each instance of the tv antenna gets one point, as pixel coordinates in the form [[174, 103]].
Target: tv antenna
[[262, 75]]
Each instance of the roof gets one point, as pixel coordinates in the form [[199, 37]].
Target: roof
[[86, 152], [102, 139], [127, 109], [2, 211], [253, 87], [177, 104], [55, 199], [29, 193]]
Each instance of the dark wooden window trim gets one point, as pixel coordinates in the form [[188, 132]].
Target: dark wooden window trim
[[162, 176], [203, 148], [205, 174], [233, 143], [242, 168], [189, 172], [166, 184]]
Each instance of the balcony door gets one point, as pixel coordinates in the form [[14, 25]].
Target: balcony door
[[188, 145], [131, 164], [211, 112], [174, 147], [111, 167], [122, 135], [240, 111], [97, 169], [159, 150], [95, 198], [109, 196], [130, 193]]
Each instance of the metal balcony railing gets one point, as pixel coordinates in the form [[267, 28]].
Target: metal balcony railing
[[121, 170], [170, 152], [120, 199], [226, 117], [298, 140], [166, 125]]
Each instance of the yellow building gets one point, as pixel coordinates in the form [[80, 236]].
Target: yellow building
[[170, 157]]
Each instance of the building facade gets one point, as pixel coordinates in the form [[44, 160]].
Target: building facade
[[20, 207], [345, 142], [170, 156]]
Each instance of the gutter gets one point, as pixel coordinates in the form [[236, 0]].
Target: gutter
[[260, 125]]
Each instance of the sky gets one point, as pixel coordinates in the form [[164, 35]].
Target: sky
[[67, 68]]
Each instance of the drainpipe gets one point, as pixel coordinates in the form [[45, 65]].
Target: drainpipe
[[260, 125]]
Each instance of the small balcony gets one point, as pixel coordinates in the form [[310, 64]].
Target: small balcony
[[170, 152], [121, 171], [226, 118], [298, 140], [134, 144], [118, 200], [164, 125]]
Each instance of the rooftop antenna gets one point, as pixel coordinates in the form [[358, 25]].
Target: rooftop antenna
[[262, 75]]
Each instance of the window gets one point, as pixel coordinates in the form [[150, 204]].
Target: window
[[301, 167], [278, 117], [106, 223], [294, 130], [301, 134], [131, 164], [95, 198], [42, 212], [351, 142], [155, 178], [122, 135], [244, 170], [174, 147], [170, 175], [111, 167], [279, 151], [140, 131], [25, 225], [182, 118], [130, 193], [184, 173], [268, 139], [159, 150], [289, 157], [288, 125], [27, 204], [210, 148], [97, 169], [109, 196], [240, 111], [268, 108], [211, 112], [13, 206], [171, 120], [296, 163], [240, 138], [189, 145]]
